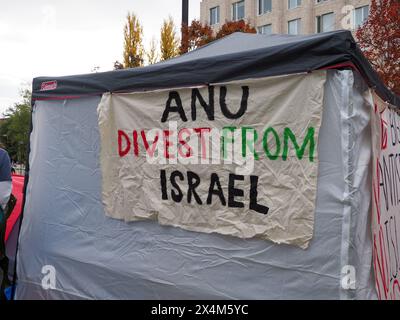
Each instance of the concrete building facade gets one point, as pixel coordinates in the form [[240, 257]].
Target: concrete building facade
[[287, 16]]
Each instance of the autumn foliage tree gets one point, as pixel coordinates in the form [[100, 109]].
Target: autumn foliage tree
[[379, 38], [152, 54], [169, 43], [198, 34], [195, 36], [235, 26], [133, 46]]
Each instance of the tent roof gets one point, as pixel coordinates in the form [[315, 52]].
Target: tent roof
[[235, 57]]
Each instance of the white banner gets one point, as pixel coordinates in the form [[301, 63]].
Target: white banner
[[238, 158], [386, 199]]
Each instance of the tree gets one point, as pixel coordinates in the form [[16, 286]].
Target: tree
[[195, 36], [379, 38], [118, 65], [133, 37], [234, 26], [152, 54], [169, 41], [14, 129]]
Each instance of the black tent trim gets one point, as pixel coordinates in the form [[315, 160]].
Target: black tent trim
[[236, 57]]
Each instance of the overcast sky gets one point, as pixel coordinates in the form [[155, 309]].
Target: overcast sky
[[63, 37]]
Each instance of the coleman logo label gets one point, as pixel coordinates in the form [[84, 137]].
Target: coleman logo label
[[48, 85]]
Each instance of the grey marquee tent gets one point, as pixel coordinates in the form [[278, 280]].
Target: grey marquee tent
[[97, 257]]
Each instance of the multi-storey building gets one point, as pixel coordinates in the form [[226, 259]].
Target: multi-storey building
[[287, 16]]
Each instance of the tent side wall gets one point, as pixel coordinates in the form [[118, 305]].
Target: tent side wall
[[94, 256]]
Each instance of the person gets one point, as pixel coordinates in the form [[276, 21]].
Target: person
[[5, 193]]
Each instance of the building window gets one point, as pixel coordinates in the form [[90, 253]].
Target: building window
[[294, 26], [214, 15], [264, 6], [266, 29], [360, 15], [326, 23], [294, 4], [238, 11]]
